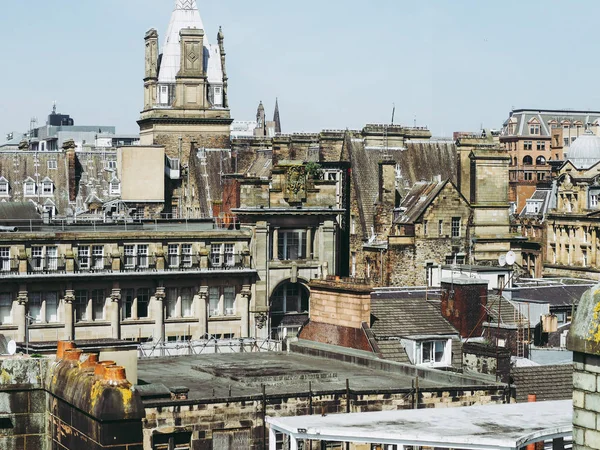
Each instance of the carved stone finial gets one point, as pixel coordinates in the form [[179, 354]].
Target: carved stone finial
[[69, 144]]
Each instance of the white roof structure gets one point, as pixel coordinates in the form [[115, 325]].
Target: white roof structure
[[186, 15], [585, 151], [490, 427]]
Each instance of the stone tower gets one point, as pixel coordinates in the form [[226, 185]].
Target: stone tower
[[185, 102]]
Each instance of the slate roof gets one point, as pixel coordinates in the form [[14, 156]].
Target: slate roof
[[542, 197], [207, 167], [408, 317], [546, 382], [262, 164], [509, 313], [418, 199], [18, 211], [555, 295], [523, 116], [394, 351], [419, 161]]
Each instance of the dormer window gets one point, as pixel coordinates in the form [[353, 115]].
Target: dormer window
[[4, 187], [534, 127], [533, 207], [29, 187], [47, 187]]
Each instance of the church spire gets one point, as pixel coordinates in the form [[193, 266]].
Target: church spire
[[276, 117]]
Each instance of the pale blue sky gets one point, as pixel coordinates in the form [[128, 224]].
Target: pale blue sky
[[454, 64]]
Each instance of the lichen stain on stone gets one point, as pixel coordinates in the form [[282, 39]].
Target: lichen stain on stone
[[5, 377], [595, 326]]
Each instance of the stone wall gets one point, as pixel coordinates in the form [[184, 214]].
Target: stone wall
[[205, 419], [339, 303], [586, 401]]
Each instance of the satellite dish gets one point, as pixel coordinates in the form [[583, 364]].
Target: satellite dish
[[11, 347], [502, 260], [510, 258]]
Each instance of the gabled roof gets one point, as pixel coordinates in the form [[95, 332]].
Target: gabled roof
[[408, 317], [542, 196], [546, 382], [419, 198]]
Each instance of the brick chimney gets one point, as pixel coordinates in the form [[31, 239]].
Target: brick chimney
[[463, 304]]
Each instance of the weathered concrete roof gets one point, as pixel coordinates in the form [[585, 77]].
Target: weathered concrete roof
[[495, 427], [212, 376]]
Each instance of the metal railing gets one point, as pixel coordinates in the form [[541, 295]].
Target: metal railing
[[46, 264], [207, 344], [224, 261]]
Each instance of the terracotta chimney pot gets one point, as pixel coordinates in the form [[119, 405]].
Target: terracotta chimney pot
[[115, 374], [62, 346], [101, 367], [72, 354]]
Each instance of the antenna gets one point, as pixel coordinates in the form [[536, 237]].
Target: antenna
[[502, 260], [393, 112], [415, 121]]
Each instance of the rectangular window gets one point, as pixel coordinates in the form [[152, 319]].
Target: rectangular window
[[127, 296], [229, 300], [37, 258], [29, 189], [142, 254], [541, 176], [4, 189], [98, 300], [171, 302], [229, 254], [111, 164], [143, 299], [83, 257], [432, 352], [98, 257], [353, 270], [528, 176], [352, 225], [5, 308], [130, 260], [52, 258], [51, 299], [4, 259], [440, 228], [594, 201], [527, 145], [215, 255], [291, 245], [81, 304], [566, 142], [52, 164], [455, 227], [34, 306], [186, 302], [186, 255], [541, 145], [173, 253], [214, 298], [534, 129], [425, 224], [47, 188]]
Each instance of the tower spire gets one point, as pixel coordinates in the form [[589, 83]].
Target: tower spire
[[276, 117]]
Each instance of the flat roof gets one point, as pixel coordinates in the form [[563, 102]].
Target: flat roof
[[497, 427], [241, 375]]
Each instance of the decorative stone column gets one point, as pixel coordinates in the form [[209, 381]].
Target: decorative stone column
[[20, 313], [68, 299], [159, 315], [160, 259], [309, 232], [202, 310], [203, 254], [115, 310], [246, 296]]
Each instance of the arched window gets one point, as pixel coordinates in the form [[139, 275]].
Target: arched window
[[540, 160], [515, 161], [527, 160]]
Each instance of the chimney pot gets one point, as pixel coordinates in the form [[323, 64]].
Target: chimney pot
[[101, 367], [62, 346], [115, 374], [72, 354], [88, 360]]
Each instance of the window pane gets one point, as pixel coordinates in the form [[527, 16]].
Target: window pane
[[229, 300], [51, 307], [81, 301], [427, 352], [34, 304], [171, 302], [143, 297], [5, 307], [98, 300], [186, 302], [439, 351], [214, 297], [127, 302]]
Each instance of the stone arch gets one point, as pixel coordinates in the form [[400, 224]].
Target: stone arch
[[288, 307]]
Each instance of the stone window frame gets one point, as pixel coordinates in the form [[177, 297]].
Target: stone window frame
[[29, 187], [4, 187], [222, 301], [52, 164], [47, 187], [446, 355], [527, 145], [455, 227]]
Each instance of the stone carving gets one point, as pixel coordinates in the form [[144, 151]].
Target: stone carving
[[261, 320], [24, 145], [567, 183], [295, 189], [69, 144]]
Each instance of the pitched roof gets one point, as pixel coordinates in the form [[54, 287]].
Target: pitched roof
[[546, 382], [420, 160], [418, 199], [523, 117], [18, 211], [561, 295], [500, 308], [394, 351], [542, 197], [408, 317]]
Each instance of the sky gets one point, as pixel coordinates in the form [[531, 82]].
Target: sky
[[450, 65]]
